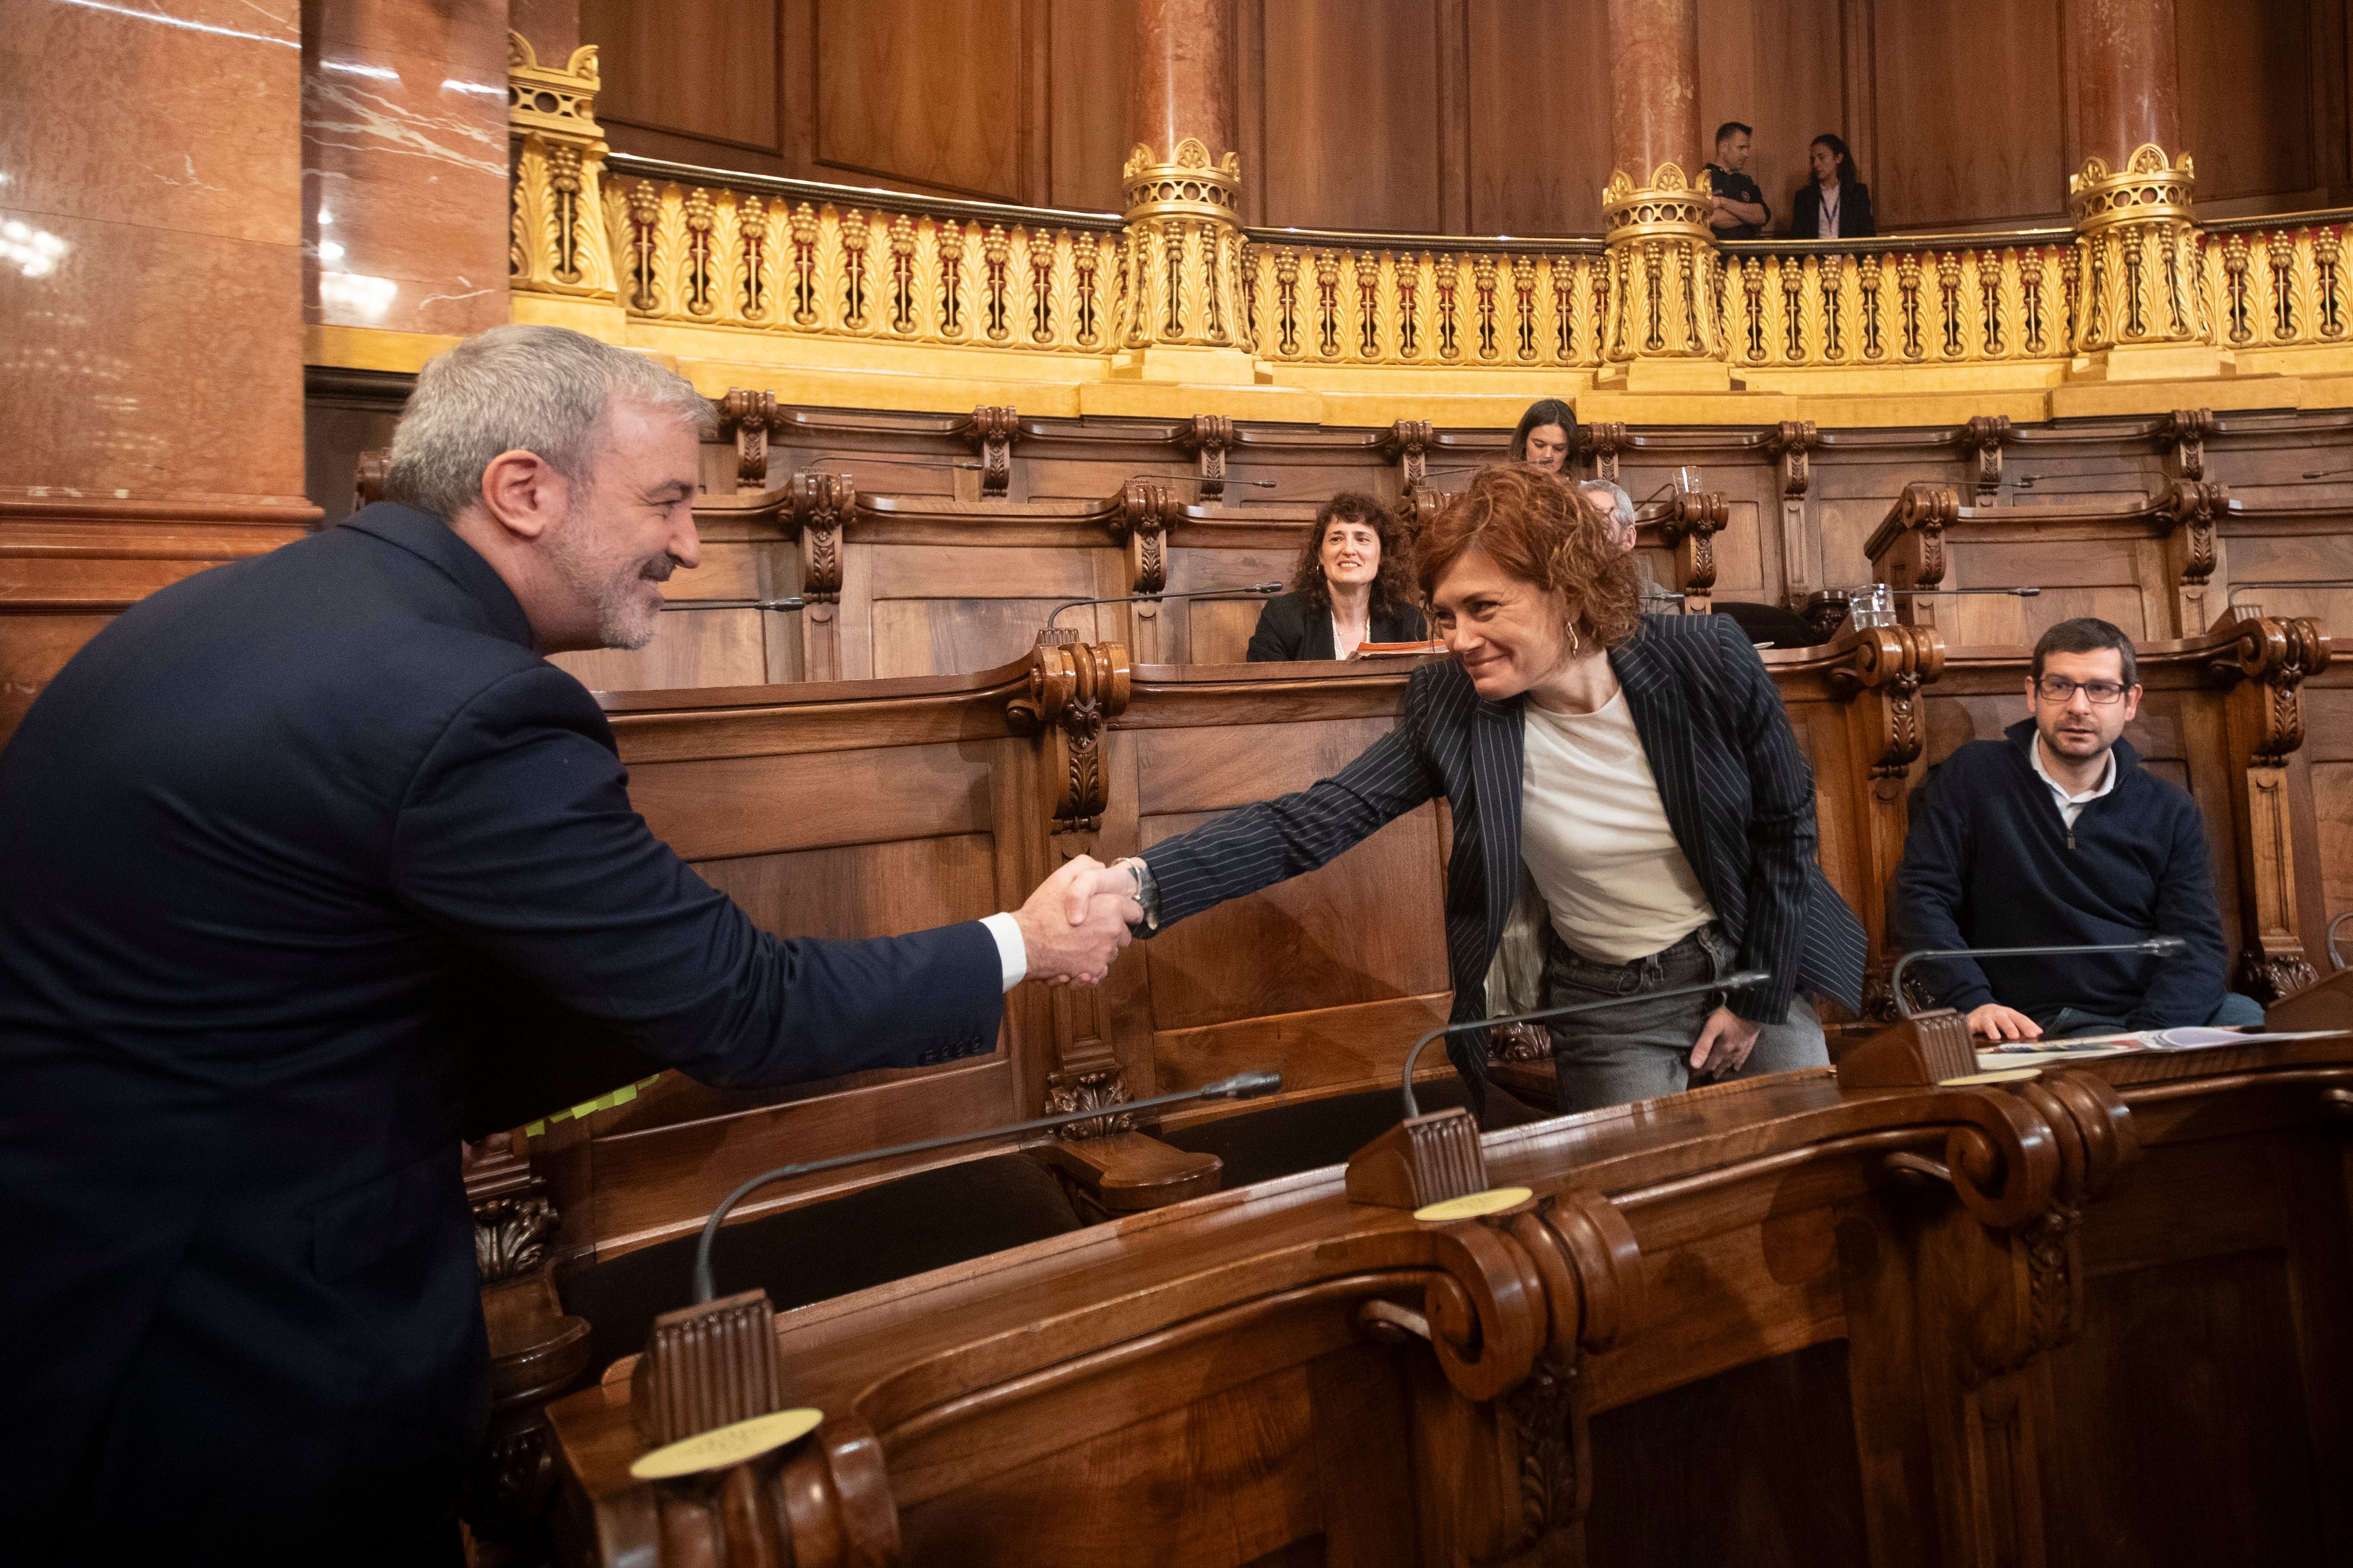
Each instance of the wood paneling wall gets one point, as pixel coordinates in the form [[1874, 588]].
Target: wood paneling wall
[[1454, 116]]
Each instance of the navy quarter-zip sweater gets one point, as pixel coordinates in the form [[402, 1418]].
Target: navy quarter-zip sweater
[[1990, 862]]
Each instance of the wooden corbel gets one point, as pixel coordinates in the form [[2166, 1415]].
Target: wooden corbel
[[1895, 662], [747, 416], [1146, 509], [1884, 669], [1206, 439], [1791, 445], [1407, 445], [990, 433], [818, 510], [1605, 441], [1907, 549], [2270, 660], [2184, 432], [1984, 435], [2191, 508], [1688, 523], [368, 477], [1074, 687]]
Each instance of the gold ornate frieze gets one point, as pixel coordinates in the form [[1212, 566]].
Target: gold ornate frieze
[[1664, 269], [1346, 306], [2136, 254], [557, 243], [1182, 280]]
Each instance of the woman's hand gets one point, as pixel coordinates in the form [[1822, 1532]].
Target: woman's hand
[[1723, 1044]]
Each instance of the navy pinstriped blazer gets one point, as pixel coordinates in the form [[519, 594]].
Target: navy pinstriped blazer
[[1738, 795]]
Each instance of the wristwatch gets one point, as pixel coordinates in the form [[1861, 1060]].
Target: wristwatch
[[1147, 893]]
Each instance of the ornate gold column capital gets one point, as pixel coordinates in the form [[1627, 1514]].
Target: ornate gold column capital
[[2137, 261], [1668, 200], [1187, 182], [558, 239], [1183, 250], [2147, 187], [1665, 281]]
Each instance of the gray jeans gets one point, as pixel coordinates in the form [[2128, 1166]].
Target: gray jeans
[[1643, 1050]]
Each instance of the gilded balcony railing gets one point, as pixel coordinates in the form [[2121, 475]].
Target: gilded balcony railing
[[1397, 300], [1933, 300], [2276, 282], [701, 248]]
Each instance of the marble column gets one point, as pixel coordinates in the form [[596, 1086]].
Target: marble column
[[1663, 334], [151, 281], [404, 177], [1182, 317], [1654, 87], [1185, 75], [2123, 63]]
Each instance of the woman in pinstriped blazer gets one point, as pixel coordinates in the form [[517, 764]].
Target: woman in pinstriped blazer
[[1637, 773]]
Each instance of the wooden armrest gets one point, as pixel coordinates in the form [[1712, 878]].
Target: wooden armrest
[[1124, 1173]]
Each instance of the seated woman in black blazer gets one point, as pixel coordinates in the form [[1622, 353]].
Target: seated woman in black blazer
[[1632, 777], [1354, 585], [1837, 204]]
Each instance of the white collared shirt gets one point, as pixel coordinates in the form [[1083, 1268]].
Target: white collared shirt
[[2071, 806]]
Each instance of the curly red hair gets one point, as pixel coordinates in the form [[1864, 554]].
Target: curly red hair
[[1531, 525]]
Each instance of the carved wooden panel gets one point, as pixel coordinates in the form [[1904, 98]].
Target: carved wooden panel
[[700, 69], [2014, 161]]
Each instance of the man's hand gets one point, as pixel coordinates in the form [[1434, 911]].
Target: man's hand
[[1995, 1022], [1071, 930], [1723, 1044]]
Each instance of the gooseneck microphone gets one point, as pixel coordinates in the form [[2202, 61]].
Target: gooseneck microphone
[[1255, 591], [1958, 592], [1740, 979], [795, 603], [1241, 1086], [2154, 946], [1197, 478]]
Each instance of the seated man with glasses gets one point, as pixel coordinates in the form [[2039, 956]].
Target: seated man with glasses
[[2056, 836]]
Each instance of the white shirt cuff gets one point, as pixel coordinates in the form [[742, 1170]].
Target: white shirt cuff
[[1012, 953]]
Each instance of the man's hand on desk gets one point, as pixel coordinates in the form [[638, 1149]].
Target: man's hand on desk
[[1074, 926], [1995, 1022]]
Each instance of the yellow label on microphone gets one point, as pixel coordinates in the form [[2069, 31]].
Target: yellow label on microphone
[[2000, 1075], [725, 1446], [1471, 1205]]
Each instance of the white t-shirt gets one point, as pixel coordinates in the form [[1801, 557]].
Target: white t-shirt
[[2071, 806], [1596, 838]]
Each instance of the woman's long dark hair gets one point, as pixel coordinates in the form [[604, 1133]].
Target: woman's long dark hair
[[1846, 170], [1550, 411], [1393, 588]]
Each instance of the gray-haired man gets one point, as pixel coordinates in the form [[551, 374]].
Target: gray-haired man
[[1613, 506], [272, 848]]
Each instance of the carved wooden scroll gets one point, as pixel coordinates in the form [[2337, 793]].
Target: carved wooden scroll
[[513, 1220], [1984, 435], [819, 506], [1791, 445], [2191, 507], [1073, 688], [747, 416], [2271, 660], [1689, 527], [367, 479], [1605, 441], [2185, 431], [1146, 509], [1206, 438], [990, 433], [1884, 669], [1407, 445], [1907, 549]]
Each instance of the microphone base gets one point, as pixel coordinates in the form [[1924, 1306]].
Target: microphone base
[[1927, 1048], [708, 1366], [1423, 1160]]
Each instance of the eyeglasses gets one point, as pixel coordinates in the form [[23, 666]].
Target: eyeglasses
[[2059, 688]]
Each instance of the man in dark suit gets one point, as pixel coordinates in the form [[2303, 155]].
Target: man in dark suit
[[270, 849]]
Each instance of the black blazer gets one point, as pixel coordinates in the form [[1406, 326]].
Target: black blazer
[[1287, 628], [1737, 792], [1855, 221], [271, 845]]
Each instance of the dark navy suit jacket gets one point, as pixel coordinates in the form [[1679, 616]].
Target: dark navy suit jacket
[[272, 847], [1737, 792]]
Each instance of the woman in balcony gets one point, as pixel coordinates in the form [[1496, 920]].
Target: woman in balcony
[[1837, 204], [1354, 582], [1630, 782]]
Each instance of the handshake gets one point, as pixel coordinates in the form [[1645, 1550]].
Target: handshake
[[1077, 920]]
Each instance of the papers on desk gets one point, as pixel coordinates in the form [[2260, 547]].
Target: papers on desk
[[2035, 1053]]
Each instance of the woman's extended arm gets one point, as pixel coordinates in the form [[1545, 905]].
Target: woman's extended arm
[[1273, 840]]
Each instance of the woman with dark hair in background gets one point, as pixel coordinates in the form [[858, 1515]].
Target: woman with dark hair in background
[[1546, 436], [1354, 582], [1837, 204]]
